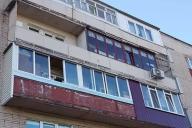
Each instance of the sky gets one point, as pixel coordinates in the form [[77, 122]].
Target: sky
[[173, 17]]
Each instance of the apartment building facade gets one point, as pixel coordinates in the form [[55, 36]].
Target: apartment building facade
[[84, 64], [180, 54]]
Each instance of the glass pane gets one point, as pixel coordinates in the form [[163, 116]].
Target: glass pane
[[146, 96], [137, 58], [99, 82], [145, 61], [41, 65], [162, 100], [92, 9], [154, 98], [152, 61], [149, 35], [123, 88], [91, 42], [132, 27], [119, 51], [26, 60], [84, 6], [170, 102], [128, 54], [114, 19], [141, 31], [64, 126], [87, 78], [112, 86], [178, 104], [101, 45], [32, 124], [48, 126], [77, 4], [110, 48], [108, 17], [101, 13], [71, 73]]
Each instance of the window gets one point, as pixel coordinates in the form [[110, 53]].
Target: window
[[132, 27], [64, 126], [32, 124], [71, 73], [178, 105], [111, 16], [145, 60], [110, 48], [26, 60], [170, 102], [154, 98], [87, 78], [92, 8], [92, 42], [101, 44], [116, 50], [119, 52], [137, 58], [162, 99], [111, 85], [69, 2], [141, 31], [56, 66], [77, 4], [99, 82], [41, 65], [146, 96], [123, 88], [128, 54], [83, 5], [148, 35], [45, 125], [189, 61], [101, 11], [40, 124], [152, 61]]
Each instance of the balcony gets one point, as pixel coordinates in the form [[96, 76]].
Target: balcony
[[27, 90], [73, 20]]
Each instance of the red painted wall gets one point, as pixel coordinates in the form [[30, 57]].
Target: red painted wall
[[56, 95]]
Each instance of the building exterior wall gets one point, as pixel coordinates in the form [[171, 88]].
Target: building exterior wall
[[179, 52], [74, 49]]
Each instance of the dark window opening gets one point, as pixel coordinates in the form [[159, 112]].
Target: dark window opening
[[34, 29], [56, 69]]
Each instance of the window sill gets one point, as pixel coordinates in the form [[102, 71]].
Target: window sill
[[70, 86]]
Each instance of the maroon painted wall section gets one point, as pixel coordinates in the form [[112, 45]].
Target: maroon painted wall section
[[55, 95], [154, 116]]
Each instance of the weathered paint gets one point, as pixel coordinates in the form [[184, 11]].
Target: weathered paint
[[154, 116], [54, 95]]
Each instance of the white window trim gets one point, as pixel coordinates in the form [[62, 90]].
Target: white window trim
[[64, 84], [161, 109]]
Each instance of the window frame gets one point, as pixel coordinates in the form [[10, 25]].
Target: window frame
[[41, 124], [78, 86], [164, 93]]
